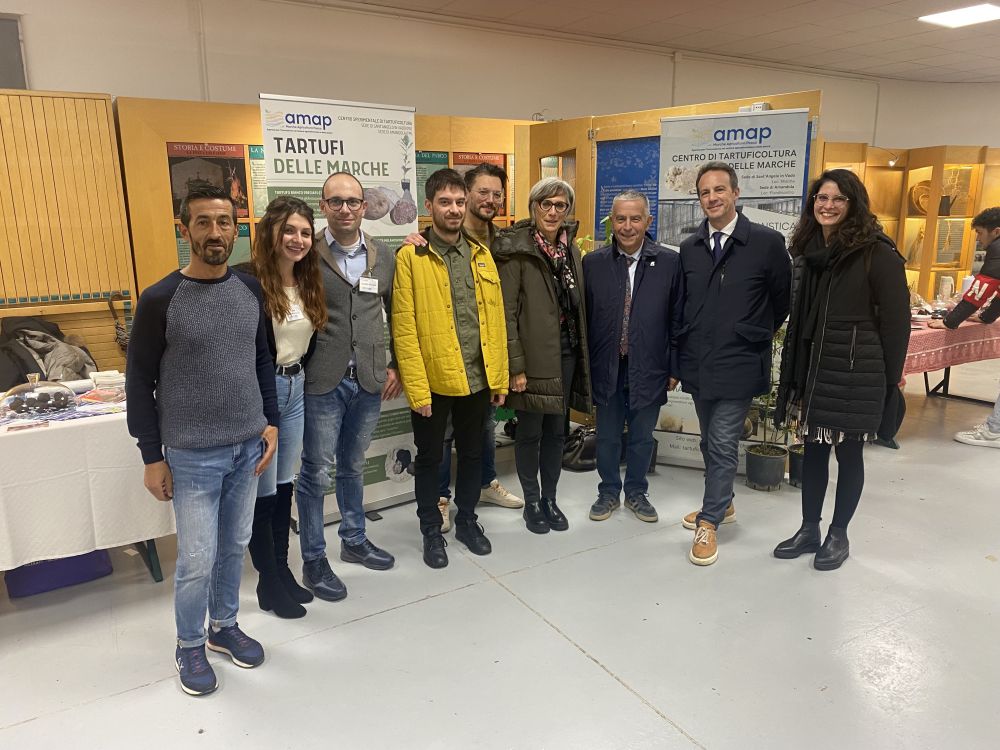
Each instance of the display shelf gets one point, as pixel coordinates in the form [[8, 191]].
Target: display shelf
[[942, 191]]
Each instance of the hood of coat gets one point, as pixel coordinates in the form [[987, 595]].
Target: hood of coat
[[517, 238]]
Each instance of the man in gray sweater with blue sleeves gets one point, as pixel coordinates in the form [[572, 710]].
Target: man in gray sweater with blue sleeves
[[201, 403]]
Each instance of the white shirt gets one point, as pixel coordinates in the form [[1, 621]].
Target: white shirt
[[291, 335], [632, 266]]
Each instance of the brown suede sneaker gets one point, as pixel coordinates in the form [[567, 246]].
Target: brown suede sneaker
[[705, 549], [690, 520]]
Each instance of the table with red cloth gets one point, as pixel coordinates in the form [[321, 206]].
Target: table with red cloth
[[933, 349]]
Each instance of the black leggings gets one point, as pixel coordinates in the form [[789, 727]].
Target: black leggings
[[850, 480]]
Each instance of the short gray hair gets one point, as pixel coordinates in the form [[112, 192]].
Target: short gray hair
[[718, 166], [549, 187], [631, 195]]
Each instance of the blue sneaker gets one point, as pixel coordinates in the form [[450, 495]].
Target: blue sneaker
[[241, 648], [197, 677]]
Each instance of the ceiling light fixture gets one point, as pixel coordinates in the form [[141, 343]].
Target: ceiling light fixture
[[959, 17]]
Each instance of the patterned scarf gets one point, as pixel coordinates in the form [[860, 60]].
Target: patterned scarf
[[567, 292]]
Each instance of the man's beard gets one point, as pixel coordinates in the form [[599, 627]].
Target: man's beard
[[214, 255]]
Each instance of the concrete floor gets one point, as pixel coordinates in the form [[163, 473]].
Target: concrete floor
[[601, 637]]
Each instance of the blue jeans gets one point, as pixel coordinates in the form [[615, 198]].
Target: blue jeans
[[611, 421], [338, 431], [291, 406], [721, 423], [488, 458], [214, 493], [993, 421]]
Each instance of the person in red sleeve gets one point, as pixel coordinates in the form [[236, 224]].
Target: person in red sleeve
[[981, 303]]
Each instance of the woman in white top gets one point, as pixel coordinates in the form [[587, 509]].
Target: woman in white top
[[287, 266]]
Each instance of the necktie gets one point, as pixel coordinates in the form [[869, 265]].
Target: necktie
[[623, 344], [716, 246]]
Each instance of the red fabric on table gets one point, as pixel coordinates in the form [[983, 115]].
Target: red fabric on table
[[936, 348]]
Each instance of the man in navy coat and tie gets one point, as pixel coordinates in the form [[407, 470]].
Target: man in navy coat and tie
[[635, 294], [737, 277]]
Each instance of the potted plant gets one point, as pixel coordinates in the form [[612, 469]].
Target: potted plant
[[765, 461], [796, 455]]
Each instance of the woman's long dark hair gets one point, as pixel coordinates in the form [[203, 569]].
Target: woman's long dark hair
[[859, 227], [264, 259]]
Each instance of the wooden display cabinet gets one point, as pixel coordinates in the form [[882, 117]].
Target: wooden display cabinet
[[881, 170], [941, 195]]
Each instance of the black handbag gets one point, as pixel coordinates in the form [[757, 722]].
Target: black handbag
[[580, 450]]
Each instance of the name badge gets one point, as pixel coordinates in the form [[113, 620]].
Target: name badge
[[295, 313], [368, 285]]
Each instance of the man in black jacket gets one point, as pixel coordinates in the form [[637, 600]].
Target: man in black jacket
[[737, 277], [634, 291], [982, 297]]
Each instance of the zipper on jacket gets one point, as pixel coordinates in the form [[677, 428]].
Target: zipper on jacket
[[854, 341], [722, 275], [819, 356]]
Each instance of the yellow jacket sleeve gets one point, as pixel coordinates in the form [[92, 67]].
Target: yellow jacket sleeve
[[404, 332]]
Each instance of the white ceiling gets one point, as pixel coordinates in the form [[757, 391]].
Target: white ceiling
[[880, 38]]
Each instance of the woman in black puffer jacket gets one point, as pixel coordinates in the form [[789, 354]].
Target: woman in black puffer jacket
[[843, 353]]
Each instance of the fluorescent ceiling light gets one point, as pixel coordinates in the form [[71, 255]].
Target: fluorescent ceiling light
[[954, 19]]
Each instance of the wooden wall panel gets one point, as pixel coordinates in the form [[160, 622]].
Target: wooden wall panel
[[64, 244]]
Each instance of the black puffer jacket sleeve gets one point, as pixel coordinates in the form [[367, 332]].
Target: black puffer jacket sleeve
[[891, 298]]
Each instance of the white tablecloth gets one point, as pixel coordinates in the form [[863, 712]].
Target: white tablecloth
[[74, 487]]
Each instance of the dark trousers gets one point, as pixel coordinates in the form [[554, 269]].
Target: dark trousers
[[611, 420], [816, 476], [539, 441], [721, 422], [467, 416]]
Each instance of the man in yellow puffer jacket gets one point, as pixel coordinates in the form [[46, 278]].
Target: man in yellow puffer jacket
[[451, 347]]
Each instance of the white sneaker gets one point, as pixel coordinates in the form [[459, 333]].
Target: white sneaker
[[979, 435], [497, 494], [445, 518]]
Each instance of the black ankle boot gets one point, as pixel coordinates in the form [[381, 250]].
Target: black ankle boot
[[271, 595], [834, 551], [281, 523], [557, 521], [535, 518], [805, 540]]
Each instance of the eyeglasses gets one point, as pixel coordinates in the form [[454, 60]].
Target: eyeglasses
[[560, 207], [338, 203], [485, 194], [837, 200]]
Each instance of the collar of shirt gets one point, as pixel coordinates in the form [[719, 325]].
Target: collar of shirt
[[462, 246], [727, 231], [338, 248]]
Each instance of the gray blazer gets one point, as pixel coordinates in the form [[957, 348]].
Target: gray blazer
[[355, 322]]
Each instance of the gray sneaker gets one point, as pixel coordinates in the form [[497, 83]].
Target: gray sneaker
[[604, 507], [640, 505]]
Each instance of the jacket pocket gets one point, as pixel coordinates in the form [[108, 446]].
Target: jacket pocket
[[378, 363], [854, 346], [752, 333]]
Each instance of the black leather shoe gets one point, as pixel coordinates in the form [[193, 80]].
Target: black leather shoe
[[367, 554], [322, 581], [557, 521], [434, 553], [834, 551], [472, 536], [535, 518], [805, 540]]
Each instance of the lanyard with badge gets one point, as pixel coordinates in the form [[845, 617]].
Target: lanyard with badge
[[368, 284]]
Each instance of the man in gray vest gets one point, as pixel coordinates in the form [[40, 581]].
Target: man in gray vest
[[347, 380]]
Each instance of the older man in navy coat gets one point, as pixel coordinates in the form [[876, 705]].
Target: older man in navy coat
[[737, 277], [634, 290]]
